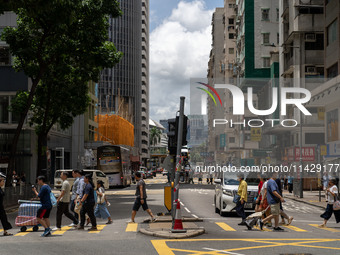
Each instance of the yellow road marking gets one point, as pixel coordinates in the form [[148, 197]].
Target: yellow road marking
[[325, 228], [162, 247], [62, 231], [24, 233], [99, 227], [225, 226], [295, 229], [131, 227], [264, 229], [1, 230]]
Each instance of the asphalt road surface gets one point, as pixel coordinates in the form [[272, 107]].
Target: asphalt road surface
[[223, 235]]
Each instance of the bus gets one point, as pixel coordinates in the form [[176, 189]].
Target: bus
[[114, 162]]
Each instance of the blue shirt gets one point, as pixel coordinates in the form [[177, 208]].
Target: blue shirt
[[271, 187], [90, 192], [290, 179], [45, 197], [80, 188]]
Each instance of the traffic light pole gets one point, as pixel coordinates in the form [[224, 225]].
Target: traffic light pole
[[178, 159]]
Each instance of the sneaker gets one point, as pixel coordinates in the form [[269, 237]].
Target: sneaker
[[72, 225], [80, 228], [92, 229], [130, 221], [44, 234], [290, 220], [278, 229], [56, 229], [153, 219], [109, 222], [261, 224], [249, 227], [242, 223]]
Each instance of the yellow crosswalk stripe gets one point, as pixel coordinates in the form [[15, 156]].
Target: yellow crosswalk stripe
[[225, 226], [295, 229], [99, 227], [1, 230], [62, 231], [325, 228], [131, 227], [264, 228], [24, 233]]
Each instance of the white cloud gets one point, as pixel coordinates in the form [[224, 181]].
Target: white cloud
[[179, 50]]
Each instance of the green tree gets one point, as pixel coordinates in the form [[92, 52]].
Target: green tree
[[58, 40], [155, 136]]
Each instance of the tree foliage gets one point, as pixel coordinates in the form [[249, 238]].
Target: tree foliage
[[155, 136], [60, 45]]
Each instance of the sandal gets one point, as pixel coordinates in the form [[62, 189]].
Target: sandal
[[7, 234]]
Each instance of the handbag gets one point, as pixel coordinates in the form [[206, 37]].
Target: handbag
[[53, 200], [101, 199], [236, 198], [336, 204]]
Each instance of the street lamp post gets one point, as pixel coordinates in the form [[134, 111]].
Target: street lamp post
[[301, 166]]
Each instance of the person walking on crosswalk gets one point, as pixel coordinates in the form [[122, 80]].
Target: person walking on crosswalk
[[140, 199], [243, 197], [3, 217], [331, 195]]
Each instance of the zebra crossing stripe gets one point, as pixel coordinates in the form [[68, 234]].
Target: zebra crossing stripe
[[24, 233], [325, 228], [131, 227], [1, 230], [62, 231], [99, 227], [295, 229], [225, 226], [264, 229]]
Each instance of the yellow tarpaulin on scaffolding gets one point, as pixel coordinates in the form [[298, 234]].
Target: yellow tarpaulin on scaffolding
[[115, 129]]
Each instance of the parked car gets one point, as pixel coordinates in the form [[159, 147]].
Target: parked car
[[226, 188], [165, 172], [96, 175], [159, 170]]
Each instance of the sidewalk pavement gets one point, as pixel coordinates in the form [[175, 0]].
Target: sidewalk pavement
[[162, 228], [309, 197]]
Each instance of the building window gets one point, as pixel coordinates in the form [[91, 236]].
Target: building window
[[231, 50], [332, 71], [277, 14], [4, 103], [266, 62], [4, 56], [278, 38], [231, 5], [231, 35], [332, 32], [316, 43], [231, 21], [231, 139], [265, 14], [266, 37]]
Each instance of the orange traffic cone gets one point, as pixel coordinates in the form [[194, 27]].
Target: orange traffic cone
[[178, 226], [178, 217]]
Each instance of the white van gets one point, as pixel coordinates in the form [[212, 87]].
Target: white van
[[96, 175]]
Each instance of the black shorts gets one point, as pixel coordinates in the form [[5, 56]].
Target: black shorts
[[43, 213], [138, 203]]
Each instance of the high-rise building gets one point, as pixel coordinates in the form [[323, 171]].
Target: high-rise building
[[145, 153], [120, 88]]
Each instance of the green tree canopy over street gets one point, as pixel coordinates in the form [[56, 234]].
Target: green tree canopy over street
[[60, 45]]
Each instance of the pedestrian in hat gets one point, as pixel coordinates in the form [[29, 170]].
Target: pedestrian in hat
[[3, 217]]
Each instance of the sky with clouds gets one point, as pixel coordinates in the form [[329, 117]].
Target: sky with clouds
[[180, 43]]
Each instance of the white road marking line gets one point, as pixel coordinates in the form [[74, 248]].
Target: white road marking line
[[182, 204], [194, 215], [226, 252], [187, 210]]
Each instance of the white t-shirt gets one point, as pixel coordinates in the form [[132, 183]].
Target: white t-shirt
[[264, 186], [330, 198]]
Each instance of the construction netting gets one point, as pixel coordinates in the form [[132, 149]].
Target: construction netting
[[114, 129]]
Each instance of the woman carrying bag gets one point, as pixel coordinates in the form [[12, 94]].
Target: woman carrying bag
[[101, 210], [331, 195], [3, 217]]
